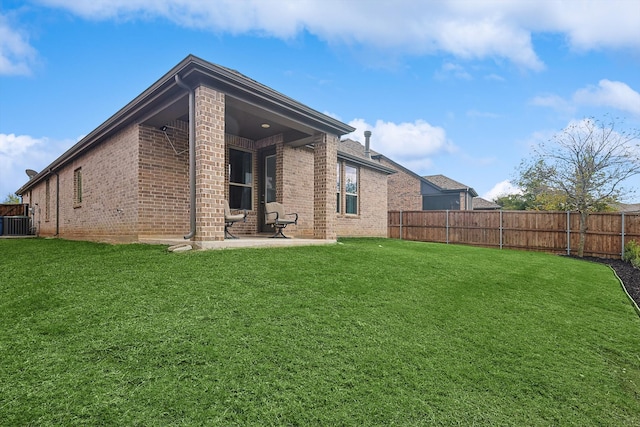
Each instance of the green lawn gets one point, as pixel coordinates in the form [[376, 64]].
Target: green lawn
[[366, 332]]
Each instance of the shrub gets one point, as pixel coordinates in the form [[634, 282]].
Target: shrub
[[632, 253]]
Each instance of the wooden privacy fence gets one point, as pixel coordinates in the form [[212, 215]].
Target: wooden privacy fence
[[555, 232], [14, 209]]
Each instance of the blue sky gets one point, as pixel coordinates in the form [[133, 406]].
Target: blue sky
[[460, 88]]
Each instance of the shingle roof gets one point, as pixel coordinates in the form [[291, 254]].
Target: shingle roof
[[354, 148], [445, 183], [484, 204], [354, 151], [627, 207]]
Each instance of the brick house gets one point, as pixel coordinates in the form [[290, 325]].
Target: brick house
[[408, 191], [163, 165]]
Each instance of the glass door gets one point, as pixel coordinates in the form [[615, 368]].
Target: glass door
[[268, 185], [270, 178]]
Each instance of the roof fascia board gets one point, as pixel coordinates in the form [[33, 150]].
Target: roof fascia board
[[362, 162], [399, 166]]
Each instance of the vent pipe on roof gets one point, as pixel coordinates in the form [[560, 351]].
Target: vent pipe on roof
[[367, 150], [192, 157]]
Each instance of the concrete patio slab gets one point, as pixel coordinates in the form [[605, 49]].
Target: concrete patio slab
[[241, 242]]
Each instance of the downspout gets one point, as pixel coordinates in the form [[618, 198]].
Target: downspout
[[192, 157], [57, 201]]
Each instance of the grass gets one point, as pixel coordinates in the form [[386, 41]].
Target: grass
[[366, 332]]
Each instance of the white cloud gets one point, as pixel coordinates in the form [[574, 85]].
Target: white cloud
[[449, 69], [612, 94], [411, 144], [607, 93], [553, 101], [502, 188], [494, 78], [16, 54], [467, 30], [600, 24], [21, 152], [12, 146]]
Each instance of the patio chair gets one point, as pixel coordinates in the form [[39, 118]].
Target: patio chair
[[275, 215], [230, 219]]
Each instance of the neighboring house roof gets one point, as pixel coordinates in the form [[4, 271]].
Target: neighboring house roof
[[353, 151], [483, 204], [627, 207], [446, 183], [247, 104], [349, 147]]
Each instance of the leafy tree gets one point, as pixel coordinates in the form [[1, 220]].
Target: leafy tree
[[582, 168], [11, 199], [512, 202], [535, 194]]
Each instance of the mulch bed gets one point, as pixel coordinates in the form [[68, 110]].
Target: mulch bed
[[629, 275]]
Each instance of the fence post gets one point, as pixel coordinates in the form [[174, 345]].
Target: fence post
[[568, 233], [500, 226], [622, 250], [400, 224], [447, 224]]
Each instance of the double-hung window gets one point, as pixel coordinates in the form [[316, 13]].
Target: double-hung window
[[347, 189], [351, 189], [240, 179]]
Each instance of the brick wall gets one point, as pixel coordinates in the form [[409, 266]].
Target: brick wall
[[325, 156], [109, 208], [210, 164], [403, 190], [371, 220], [136, 185], [163, 180], [298, 189]]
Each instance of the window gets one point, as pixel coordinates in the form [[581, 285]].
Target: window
[[338, 186], [351, 189], [441, 202], [240, 179], [347, 185], [47, 199], [270, 192], [77, 187]]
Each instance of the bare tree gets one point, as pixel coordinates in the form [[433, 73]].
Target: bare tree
[[588, 163]]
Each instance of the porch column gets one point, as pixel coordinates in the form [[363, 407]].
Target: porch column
[[325, 156], [209, 118]]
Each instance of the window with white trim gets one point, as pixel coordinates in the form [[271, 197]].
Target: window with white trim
[[351, 189], [347, 189]]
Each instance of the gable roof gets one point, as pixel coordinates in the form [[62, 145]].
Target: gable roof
[[165, 100], [353, 151], [446, 183]]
